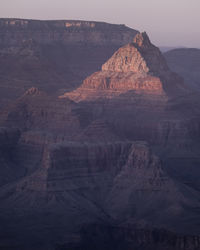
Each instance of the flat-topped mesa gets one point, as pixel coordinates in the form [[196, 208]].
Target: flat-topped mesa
[[140, 56], [74, 32]]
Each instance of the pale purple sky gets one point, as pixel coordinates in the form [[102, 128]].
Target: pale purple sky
[[168, 22]]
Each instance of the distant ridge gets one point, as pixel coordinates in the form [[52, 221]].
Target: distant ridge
[[54, 55], [63, 30], [185, 62]]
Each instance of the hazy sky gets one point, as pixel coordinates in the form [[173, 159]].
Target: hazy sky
[[168, 22]]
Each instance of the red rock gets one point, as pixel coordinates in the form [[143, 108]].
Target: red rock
[[138, 66], [54, 56]]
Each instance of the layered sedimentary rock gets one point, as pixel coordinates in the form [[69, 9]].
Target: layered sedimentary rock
[[14, 31], [54, 56], [138, 67], [135, 96], [135, 92], [140, 56], [117, 183], [37, 111], [82, 164], [122, 180]]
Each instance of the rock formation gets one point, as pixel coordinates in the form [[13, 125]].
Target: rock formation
[[14, 31], [138, 67], [37, 111], [54, 56], [136, 88], [105, 153], [83, 183], [140, 56]]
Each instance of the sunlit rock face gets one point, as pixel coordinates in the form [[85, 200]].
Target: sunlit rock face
[[130, 98], [54, 56], [139, 67], [140, 56], [133, 93], [101, 153]]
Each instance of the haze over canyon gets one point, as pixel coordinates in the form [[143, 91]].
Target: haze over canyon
[[99, 139]]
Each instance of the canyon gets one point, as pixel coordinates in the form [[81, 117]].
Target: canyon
[[51, 54], [108, 159]]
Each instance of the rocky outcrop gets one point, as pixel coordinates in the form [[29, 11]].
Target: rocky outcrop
[[14, 31], [55, 56], [120, 182], [135, 96], [140, 56], [81, 156], [135, 93], [37, 111], [138, 67], [130, 97], [117, 184]]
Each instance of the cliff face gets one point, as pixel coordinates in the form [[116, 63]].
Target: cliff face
[[134, 93], [139, 67], [140, 56], [14, 31], [81, 157], [54, 56], [135, 96], [121, 181], [38, 111], [79, 184]]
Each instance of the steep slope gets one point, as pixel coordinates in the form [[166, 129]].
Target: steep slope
[[84, 160], [67, 31], [54, 56], [135, 96], [138, 67], [37, 111], [136, 93], [141, 99], [113, 183], [185, 62]]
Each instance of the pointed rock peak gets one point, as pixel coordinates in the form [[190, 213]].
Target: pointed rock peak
[[142, 40], [140, 56]]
